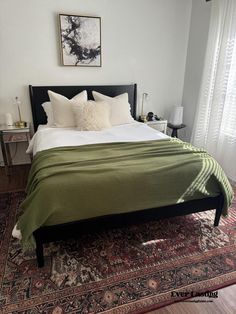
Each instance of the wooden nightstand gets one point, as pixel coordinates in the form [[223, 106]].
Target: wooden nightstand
[[12, 134], [160, 125]]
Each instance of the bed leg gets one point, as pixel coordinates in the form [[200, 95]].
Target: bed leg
[[39, 253], [219, 209]]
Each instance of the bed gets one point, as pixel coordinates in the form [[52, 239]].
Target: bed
[[61, 230]]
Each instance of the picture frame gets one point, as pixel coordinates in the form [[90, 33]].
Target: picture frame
[[80, 38]]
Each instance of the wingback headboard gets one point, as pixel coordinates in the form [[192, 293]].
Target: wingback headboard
[[38, 95]]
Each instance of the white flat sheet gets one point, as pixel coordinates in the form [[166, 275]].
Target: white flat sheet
[[48, 137]]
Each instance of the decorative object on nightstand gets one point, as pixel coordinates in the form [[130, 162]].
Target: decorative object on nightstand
[[8, 119], [154, 122], [150, 116], [12, 134], [175, 128], [20, 123]]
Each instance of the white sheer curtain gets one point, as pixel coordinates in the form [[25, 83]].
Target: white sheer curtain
[[215, 121]]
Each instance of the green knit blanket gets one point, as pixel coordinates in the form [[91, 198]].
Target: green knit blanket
[[72, 183]]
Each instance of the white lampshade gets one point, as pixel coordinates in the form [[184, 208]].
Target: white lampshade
[[176, 115]]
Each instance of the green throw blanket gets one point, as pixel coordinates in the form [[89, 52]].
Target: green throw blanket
[[73, 183]]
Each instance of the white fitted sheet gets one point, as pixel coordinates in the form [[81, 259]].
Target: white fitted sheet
[[49, 137]]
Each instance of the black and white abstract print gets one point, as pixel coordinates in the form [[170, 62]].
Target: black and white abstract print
[[81, 40]]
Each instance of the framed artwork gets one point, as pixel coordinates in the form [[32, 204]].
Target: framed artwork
[[80, 40]]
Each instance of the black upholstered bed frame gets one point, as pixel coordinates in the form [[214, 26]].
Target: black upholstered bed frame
[[38, 95]]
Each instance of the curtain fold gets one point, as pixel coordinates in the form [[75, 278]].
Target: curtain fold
[[215, 122]]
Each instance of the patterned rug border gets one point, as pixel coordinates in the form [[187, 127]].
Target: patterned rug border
[[147, 304], [134, 306]]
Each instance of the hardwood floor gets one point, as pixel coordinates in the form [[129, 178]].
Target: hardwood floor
[[226, 303]]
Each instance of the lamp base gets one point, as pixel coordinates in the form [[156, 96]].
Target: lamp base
[[20, 124], [142, 118]]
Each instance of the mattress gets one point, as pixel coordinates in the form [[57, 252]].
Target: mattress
[[50, 137]]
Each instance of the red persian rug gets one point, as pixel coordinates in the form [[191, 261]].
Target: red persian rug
[[127, 270]]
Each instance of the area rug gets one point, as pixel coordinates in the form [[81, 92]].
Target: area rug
[[127, 270]]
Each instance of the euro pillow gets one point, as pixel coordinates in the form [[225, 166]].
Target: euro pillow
[[62, 108], [47, 107], [92, 116], [119, 107]]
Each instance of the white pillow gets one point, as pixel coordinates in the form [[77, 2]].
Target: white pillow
[[120, 107], [62, 108], [92, 116], [47, 106]]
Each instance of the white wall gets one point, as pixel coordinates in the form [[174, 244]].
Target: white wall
[[195, 60], [143, 41]]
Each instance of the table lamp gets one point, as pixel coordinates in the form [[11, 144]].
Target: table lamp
[[144, 98], [20, 123], [176, 115]]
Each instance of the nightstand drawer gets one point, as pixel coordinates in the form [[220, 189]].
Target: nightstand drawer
[[15, 137]]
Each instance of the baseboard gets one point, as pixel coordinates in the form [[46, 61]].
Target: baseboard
[[16, 163]]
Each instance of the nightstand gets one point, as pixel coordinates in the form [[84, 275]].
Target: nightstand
[[12, 134], [175, 129], [160, 125]]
